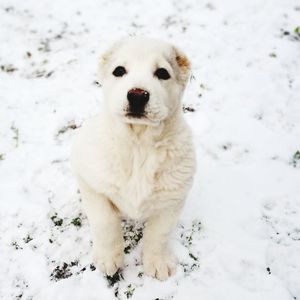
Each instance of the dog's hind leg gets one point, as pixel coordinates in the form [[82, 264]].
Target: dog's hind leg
[[106, 229]]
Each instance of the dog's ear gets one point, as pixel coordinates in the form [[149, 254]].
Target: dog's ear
[[104, 60], [183, 66]]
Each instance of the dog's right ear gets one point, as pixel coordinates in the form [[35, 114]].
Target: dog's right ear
[[104, 60]]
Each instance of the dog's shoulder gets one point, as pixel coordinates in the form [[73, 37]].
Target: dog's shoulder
[[89, 157], [87, 136]]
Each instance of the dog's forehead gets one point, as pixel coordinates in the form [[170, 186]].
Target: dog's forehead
[[143, 49]]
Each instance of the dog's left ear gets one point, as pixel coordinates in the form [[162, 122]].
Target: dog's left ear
[[183, 66]]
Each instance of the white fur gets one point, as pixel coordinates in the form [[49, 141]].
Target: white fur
[[136, 168]]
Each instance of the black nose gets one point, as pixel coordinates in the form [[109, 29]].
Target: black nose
[[137, 99]]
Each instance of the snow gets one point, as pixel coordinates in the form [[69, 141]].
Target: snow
[[239, 234]]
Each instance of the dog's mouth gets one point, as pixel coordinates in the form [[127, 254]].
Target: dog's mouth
[[136, 115], [139, 118]]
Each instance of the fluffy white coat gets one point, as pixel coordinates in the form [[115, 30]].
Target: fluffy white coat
[[136, 168]]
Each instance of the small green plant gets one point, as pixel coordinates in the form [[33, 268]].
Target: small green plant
[[204, 87], [2, 156], [187, 109], [227, 146], [192, 77], [187, 235], [130, 291], [56, 220], [193, 257], [133, 232], [15, 130], [112, 280], [8, 68], [27, 239], [296, 159], [76, 222], [297, 31], [16, 245], [44, 46], [64, 129], [187, 268], [61, 272]]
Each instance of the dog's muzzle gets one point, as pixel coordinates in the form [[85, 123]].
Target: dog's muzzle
[[137, 98]]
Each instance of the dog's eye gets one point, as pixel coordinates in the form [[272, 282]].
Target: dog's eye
[[119, 71], [162, 73]]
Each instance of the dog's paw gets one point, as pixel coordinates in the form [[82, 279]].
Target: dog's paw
[[109, 263], [159, 266]]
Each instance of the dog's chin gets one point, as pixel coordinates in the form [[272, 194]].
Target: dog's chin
[[140, 119]]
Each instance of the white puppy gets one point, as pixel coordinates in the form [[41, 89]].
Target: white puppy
[[136, 158]]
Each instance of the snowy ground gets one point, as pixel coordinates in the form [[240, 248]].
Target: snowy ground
[[239, 235]]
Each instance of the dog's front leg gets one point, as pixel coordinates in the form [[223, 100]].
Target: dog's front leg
[[158, 261], [106, 230]]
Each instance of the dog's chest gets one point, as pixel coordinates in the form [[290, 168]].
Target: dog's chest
[[138, 168]]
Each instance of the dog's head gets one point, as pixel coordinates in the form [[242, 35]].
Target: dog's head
[[143, 79]]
